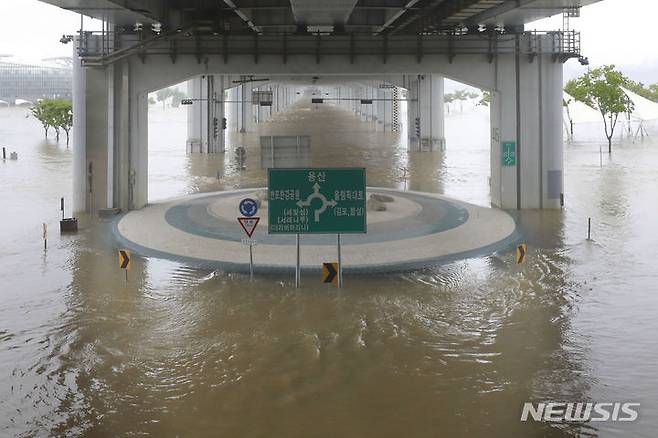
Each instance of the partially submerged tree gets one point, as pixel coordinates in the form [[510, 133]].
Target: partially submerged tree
[[56, 114], [63, 116], [448, 98], [39, 111], [566, 101], [176, 97], [648, 92], [461, 96], [600, 88], [164, 94], [485, 99]]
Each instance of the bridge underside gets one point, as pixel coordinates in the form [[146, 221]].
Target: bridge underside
[[302, 16], [355, 45]]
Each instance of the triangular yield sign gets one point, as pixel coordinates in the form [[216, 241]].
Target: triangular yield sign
[[248, 224]]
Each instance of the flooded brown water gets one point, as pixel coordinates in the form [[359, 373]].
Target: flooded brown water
[[450, 351]]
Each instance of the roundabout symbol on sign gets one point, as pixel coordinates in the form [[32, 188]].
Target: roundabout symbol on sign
[[248, 207], [316, 194]]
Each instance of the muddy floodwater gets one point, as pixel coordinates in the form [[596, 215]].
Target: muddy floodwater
[[450, 351]]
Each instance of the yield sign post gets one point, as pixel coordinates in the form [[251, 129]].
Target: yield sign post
[[248, 224]]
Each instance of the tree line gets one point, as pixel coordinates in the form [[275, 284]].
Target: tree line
[[172, 93], [56, 114]]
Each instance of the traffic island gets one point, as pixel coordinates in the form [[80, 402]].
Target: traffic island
[[416, 230]]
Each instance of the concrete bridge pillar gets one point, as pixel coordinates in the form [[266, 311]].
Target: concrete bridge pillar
[[363, 108], [431, 107], [346, 92], [196, 122], [413, 118], [372, 107], [110, 134], [259, 113], [204, 116], [267, 111], [388, 111], [367, 108], [381, 110], [275, 100], [526, 138], [246, 108], [218, 143], [232, 109]]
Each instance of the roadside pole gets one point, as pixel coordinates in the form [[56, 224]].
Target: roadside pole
[[340, 264], [248, 208], [297, 265]]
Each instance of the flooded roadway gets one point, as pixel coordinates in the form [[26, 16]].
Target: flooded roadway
[[450, 351]]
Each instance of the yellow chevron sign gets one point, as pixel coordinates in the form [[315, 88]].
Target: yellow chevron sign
[[520, 253], [124, 260], [330, 273]]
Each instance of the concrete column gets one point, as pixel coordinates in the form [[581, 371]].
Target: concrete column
[[246, 109], [526, 109], [204, 114], [194, 116], [239, 121], [218, 143], [276, 102], [267, 110], [79, 134], [94, 136], [375, 106], [381, 109], [232, 109], [431, 107], [110, 139], [258, 114], [413, 118], [371, 107], [388, 111], [363, 110]]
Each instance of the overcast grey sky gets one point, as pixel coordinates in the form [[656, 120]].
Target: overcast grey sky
[[621, 32]]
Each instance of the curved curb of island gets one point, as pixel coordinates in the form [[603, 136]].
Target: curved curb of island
[[505, 244]]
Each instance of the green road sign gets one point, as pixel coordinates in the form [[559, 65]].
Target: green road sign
[[317, 200], [508, 151]]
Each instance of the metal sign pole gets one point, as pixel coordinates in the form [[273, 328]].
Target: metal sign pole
[[297, 269], [251, 261], [340, 264]]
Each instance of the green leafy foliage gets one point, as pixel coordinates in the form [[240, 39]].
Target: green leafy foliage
[[448, 98], [172, 93], [600, 88], [648, 92], [56, 114], [485, 99]]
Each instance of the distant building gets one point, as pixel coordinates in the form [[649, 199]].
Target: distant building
[[23, 82]]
